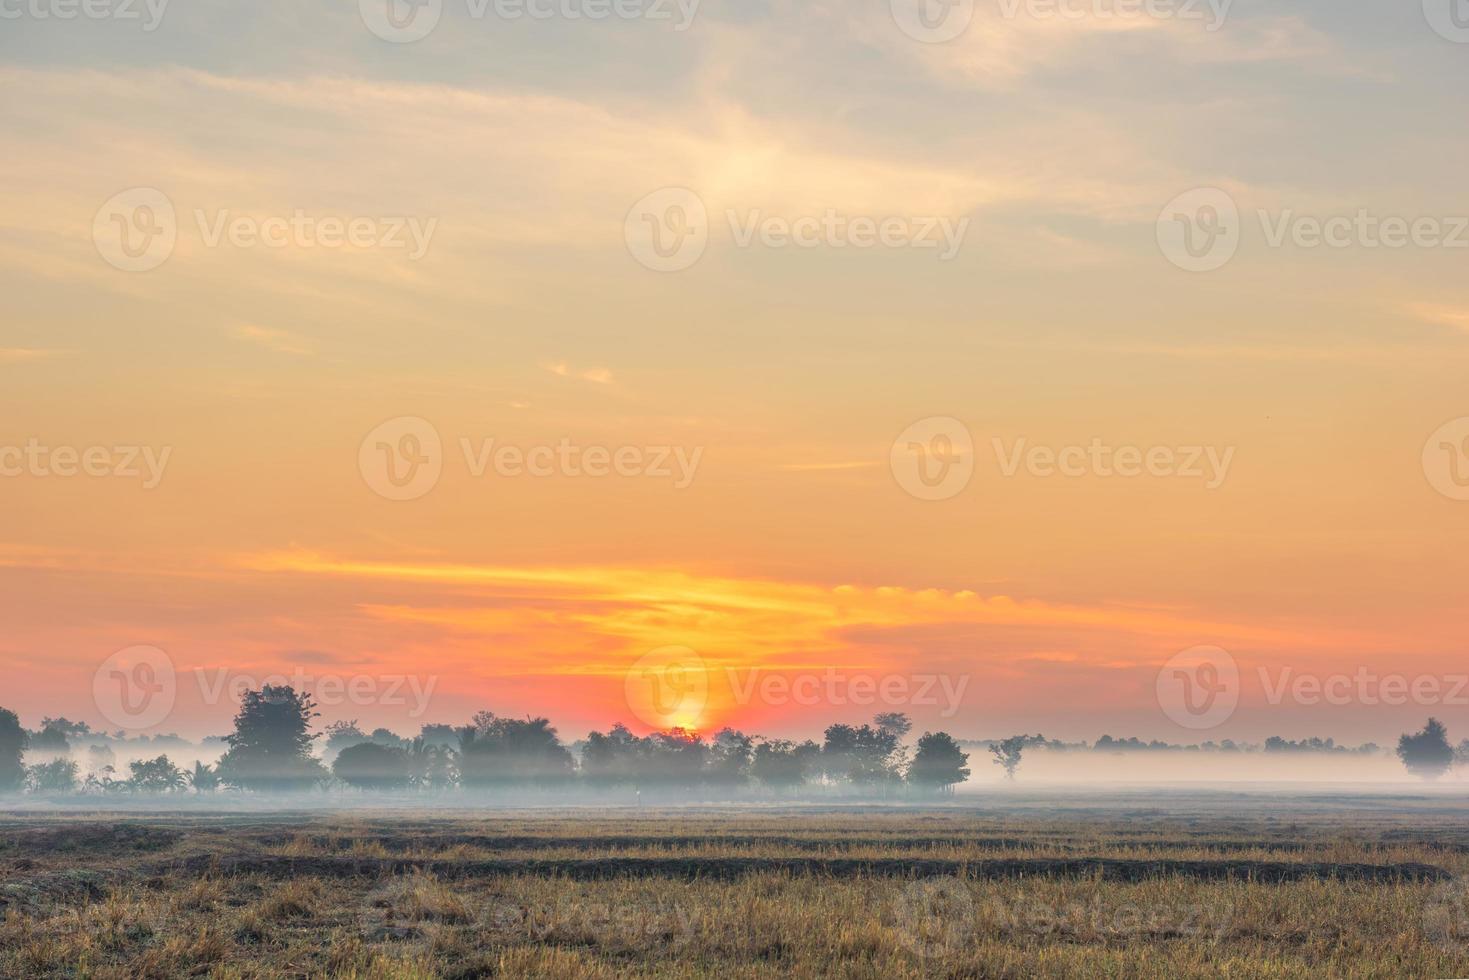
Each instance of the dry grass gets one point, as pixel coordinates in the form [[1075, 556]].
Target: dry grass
[[89, 910]]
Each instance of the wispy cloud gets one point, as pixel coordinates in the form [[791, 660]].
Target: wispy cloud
[[280, 341], [1447, 316], [20, 355], [600, 376]]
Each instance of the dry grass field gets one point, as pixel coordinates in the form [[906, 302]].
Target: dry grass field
[[1219, 885]]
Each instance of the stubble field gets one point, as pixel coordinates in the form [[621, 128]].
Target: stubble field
[[1128, 886]]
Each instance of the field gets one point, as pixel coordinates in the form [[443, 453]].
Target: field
[[1124, 885]]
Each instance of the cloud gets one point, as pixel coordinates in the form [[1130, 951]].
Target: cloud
[[20, 355], [1447, 316], [600, 376], [276, 340]]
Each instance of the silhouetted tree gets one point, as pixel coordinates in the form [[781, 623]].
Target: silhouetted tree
[[783, 765], [432, 766], [1007, 754], [1427, 754], [865, 756], [270, 748], [500, 751], [439, 736], [51, 738], [611, 759], [203, 778], [729, 759], [340, 734], [56, 776], [368, 765], [12, 748], [158, 775], [939, 763]]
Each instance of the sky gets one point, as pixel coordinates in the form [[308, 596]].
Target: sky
[[768, 364]]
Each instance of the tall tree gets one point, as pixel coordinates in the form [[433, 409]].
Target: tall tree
[[500, 751], [12, 748], [782, 765], [1427, 754], [1007, 754], [939, 763], [270, 748]]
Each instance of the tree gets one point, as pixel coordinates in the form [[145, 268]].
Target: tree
[[939, 763], [729, 758], [203, 778], [369, 765], [1007, 754], [12, 747], [1427, 754], [496, 751], [340, 734], [431, 765], [862, 756], [51, 738], [56, 776], [783, 765], [270, 748], [156, 776]]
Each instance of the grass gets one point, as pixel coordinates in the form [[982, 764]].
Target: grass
[[1253, 889]]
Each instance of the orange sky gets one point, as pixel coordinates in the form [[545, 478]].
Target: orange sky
[[783, 375]]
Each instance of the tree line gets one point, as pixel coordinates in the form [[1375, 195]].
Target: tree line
[[272, 750]]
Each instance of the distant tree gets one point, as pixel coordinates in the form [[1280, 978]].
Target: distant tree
[[865, 756], [439, 736], [158, 775], [12, 748], [612, 758], [340, 734], [390, 739], [431, 765], [203, 778], [369, 765], [783, 765], [51, 738], [270, 748], [1427, 754], [939, 763], [56, 776], [498, 751], [729, 758], [896, 722], [1007, 754], [99, 757]]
